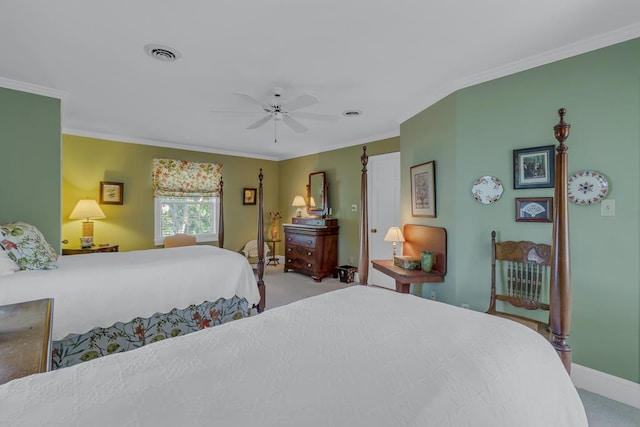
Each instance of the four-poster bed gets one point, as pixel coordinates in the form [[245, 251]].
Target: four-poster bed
[[113, 302]]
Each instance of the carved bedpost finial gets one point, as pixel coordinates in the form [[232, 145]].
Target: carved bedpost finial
[[561, 130], [364, 158], [260, 175]]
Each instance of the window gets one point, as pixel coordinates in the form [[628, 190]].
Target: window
[[186, 215]]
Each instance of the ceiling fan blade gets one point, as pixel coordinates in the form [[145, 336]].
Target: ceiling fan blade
[[260, 122], [301, 101], [253, 100], [314, 116], [294, 124], [235, 112]]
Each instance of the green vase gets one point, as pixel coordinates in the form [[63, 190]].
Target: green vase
[[426, 259]]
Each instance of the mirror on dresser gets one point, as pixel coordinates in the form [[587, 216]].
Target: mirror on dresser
[[317, 195]]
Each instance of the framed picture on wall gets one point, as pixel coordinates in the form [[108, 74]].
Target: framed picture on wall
[[533, 167], [111, 193], [249, 196], [534, 209], [423, 190]]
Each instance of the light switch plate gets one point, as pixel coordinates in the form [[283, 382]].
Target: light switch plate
[[608, 208]]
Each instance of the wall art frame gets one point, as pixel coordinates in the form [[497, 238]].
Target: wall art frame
[[534, 167], [249, 196], [423, 190], [534, 209], [111, 193]]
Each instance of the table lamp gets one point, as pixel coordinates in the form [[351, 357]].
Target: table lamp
[[299, 202], [394, 235], [87, 209]]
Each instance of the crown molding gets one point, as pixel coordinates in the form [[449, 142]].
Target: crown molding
[[158, 143], [31, 88]]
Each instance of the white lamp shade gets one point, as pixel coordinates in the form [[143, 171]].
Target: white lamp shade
[[87, 209], [394, 235], [299, 202]]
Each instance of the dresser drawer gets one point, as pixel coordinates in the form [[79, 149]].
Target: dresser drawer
[[301, 240]]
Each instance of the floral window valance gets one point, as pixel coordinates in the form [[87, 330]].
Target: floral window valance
[[180, 178]]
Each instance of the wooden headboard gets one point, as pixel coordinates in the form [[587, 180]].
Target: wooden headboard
[[420, 238]]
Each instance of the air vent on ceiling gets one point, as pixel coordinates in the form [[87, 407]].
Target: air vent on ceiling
[[162, 53]]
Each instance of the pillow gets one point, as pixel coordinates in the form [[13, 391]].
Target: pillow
[[7, 265], [27, 247], [251, 249]]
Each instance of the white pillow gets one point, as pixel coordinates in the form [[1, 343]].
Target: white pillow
[[251, 249], [7, 265]]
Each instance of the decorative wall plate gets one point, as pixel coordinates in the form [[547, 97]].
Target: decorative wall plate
[[587, 187], [487, 189]]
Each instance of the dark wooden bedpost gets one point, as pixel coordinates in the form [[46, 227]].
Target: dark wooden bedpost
[[260, 267], [560, 280], [363, 263], [221, 220]]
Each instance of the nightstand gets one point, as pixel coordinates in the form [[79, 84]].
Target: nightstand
[[273, 258], [25, 347], [91, 250]]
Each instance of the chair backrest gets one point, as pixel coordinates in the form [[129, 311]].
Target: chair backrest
[[525, 268], [179, 240]]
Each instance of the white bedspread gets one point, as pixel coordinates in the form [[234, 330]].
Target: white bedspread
[[101, 289], [354, 357]]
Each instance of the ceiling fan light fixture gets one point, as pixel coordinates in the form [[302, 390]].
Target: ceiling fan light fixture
[[162, 53], [352, 113]]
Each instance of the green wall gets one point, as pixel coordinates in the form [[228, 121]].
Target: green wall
[[30, 160], [87, 161], [343, 168], [474, 132]]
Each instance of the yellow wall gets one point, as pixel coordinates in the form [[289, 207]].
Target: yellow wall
[[87, 161]]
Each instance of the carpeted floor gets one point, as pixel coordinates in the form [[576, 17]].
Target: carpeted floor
[[284, 288]]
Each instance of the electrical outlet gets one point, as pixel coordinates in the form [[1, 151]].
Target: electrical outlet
[[465, 306], [354, 208], [433, 295], [608, 208]]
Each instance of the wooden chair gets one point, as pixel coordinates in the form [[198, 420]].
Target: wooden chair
[[179, 240], [522, 268]]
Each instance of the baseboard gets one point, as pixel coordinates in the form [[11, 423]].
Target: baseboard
[[606, 385]]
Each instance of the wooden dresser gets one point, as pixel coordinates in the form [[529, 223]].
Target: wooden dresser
[[311, 247]]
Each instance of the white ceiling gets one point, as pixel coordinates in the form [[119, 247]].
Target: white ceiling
[[389, 59]]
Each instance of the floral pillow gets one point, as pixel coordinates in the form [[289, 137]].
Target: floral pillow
[[7, 265], [27, 247]]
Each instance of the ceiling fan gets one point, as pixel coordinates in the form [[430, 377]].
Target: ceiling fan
[[286, 112]]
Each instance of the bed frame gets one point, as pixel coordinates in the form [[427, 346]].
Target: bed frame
[[140, 331], [560, 278], [260, 269]]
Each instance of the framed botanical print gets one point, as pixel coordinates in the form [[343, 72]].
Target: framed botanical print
[[423, 190], [249, 196], [111, 193]]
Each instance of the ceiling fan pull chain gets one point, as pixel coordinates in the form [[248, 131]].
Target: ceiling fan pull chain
[[275, 132]]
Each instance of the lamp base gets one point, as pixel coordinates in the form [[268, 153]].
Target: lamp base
[[298, 213], [86, 242]]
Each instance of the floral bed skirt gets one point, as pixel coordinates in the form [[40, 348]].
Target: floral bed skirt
[[140, 331]]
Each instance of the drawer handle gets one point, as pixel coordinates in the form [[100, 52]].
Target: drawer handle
[[310, 241], [288, 249], [308, 265], [309, 253], [288, 260]]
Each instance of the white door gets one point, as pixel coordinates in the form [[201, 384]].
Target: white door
[[383, 178]]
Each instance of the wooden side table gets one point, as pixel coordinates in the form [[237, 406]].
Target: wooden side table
[[404, 278], [273, 258], [25, 347], [91, 250]]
